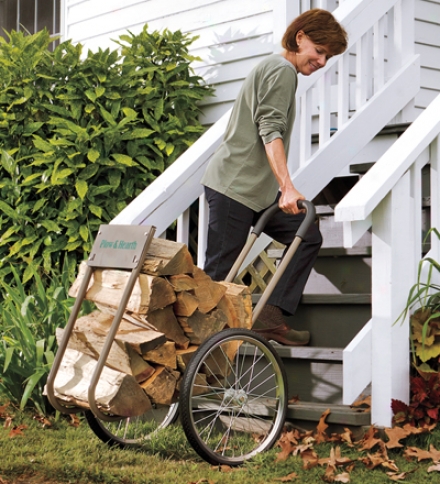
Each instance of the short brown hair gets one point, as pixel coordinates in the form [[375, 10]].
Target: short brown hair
[[321, 28]]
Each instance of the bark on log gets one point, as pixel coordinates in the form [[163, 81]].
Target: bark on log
[[237, 305], [207, 291], [184, 356], [185, 304], [165, 258], [166, 322], [161, 387], [200, 326], [107, 286], [182, 282], [165, 355], [116, 392]]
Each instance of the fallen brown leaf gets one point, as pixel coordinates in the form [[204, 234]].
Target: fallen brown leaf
[[344, 477], [362, 401], [399, 476], [420, 454], [380, 458], [289, 478], [74, 420], [347, 437], [43, 420], [395, 435], [17, 431], [321, 435], [288, 442], [434, 468], [309, 458], [329, 475], [287, 448], [369, 440]]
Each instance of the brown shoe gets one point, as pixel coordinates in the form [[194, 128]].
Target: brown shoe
[[272, 326]]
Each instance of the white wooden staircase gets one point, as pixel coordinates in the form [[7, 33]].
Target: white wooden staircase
[[347, 104]]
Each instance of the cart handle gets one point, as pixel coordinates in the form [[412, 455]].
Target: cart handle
[[261, 223]]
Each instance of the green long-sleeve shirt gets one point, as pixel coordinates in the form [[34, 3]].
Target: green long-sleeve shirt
[[263, 111]]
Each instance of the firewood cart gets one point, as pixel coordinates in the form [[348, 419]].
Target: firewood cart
[[233, 395]]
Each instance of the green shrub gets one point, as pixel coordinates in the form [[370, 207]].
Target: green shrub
[[80, 137]]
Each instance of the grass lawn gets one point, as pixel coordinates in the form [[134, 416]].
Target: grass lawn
[[32, 453]]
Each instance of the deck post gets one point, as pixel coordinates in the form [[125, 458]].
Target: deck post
[[392, 277]]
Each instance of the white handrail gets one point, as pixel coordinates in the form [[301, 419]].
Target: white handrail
[[388, 200], [360, 202]]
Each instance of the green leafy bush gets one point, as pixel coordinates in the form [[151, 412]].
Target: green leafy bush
[[80, 137], [27, 337]]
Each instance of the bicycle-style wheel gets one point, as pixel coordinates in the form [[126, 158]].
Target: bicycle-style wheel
[[133, 431], [233, 398]]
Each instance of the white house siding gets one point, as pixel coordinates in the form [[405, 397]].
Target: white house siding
[[234, 35], [427, 35]]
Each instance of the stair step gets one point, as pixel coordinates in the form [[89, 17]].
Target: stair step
[[308, 352], [339, 414], [328, 299], [362, 251]]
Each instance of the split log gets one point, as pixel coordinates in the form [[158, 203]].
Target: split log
[[208, 292], [116, 392], [165, 355], [182, 282], [165, 258], [140, 339], [107, 286], [186, 304], [184, 356], [166, 322], [200, 326], [161, 387], [237, 305], [122, 356]]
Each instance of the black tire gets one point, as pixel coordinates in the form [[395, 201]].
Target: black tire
[[132, 431], [233, 407]]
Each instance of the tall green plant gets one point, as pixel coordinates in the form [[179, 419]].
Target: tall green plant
[[80, 137], [28, 320], [424, 304]]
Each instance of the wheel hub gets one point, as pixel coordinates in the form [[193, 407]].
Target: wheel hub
[[237, 397]]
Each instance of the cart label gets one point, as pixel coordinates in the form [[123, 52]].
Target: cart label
[[120, 246]]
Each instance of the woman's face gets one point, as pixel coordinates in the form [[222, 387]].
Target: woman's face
[[310, 56]]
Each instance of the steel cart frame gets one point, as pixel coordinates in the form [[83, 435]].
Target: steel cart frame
[[111, 251], [233, 398]]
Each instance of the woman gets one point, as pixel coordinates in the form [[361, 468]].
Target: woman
[[249, 170]]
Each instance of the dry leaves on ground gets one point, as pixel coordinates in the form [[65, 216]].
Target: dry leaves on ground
[[373, 449]]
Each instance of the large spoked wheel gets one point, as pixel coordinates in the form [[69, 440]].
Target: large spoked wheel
[[132, 431], [233, 398]]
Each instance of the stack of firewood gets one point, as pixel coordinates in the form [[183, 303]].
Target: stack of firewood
[[173, 308]]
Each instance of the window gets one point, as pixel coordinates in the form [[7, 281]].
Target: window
[[30, 16]]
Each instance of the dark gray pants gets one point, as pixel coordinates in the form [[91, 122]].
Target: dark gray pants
[[228, 229]]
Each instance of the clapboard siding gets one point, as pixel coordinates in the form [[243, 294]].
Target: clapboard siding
[[427, 37], [162, 14], [234, 35]]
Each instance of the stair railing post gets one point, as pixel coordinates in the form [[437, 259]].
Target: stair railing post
[[392, 277]]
